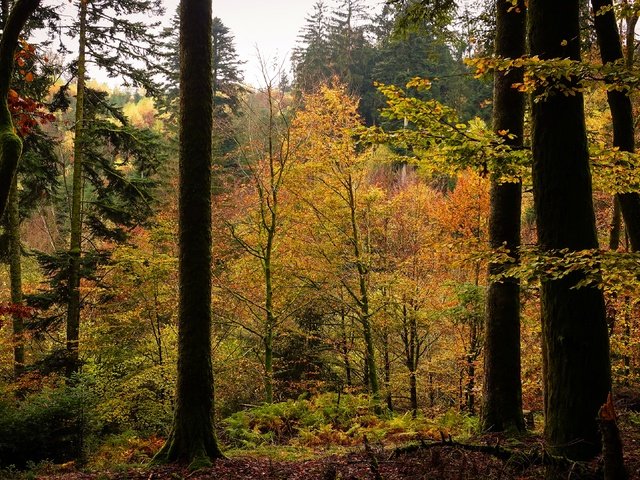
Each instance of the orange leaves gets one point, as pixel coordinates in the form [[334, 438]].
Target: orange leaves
[[27, 113], [24, 57]]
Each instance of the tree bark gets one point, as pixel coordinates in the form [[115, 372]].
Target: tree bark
[[75, 247], [577, 375], [10, 143], [502, 395], [15, 273], [192, 439], [610, 46], [363, 301]]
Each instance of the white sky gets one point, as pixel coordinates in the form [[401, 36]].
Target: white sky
[[268, 26]]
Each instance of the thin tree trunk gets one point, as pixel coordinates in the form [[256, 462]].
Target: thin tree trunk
[[615, 228], [192, 439], [365, 314], [345, 350], [75, 247], [387, 369], [577, 375], [268, 362], [15, 268], [502, 389]]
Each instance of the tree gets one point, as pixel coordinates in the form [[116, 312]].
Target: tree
[[621, 110], [75, 246], [311, 59], [330, 159], [192, 439], [10, 143], [577, 376], [502, 395], [116, 47], [268, 165]]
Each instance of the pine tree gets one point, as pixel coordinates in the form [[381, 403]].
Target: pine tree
[[225, 65], [108, 38], [116, 194], [311, 58]]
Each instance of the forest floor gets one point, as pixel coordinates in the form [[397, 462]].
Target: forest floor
[[428, 460], [474, 458]]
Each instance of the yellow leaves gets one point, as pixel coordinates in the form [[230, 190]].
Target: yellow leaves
[[420, 84], [564, 43]]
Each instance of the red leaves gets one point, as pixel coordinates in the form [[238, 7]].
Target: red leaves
[[27, 113], [16, 310]]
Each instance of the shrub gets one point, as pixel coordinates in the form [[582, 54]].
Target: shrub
[[48, 425]]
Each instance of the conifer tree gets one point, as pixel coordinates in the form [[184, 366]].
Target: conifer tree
[[107, 37], [311, 58]]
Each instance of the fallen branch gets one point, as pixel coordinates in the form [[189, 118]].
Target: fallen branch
[[517, 459]]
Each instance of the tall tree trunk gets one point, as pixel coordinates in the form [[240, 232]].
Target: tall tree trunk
[[502, 395], [15, 269], [577, 376], [75, 247], [610, 46], [192, 439]]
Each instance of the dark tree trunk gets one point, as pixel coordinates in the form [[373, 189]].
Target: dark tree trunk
[[192, 439], [502, 396], [577, 375], [621, 110]]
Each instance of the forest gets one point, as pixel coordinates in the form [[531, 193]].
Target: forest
[[409, 252]]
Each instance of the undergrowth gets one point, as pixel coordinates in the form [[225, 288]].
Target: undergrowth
[[337, 421]]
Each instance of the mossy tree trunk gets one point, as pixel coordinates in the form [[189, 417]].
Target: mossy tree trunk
[[15, 253], [75, 246], [362, 297], [577, 375], [10, 143], [15, 274], [411, 343], [192, 439], [502, 397]]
